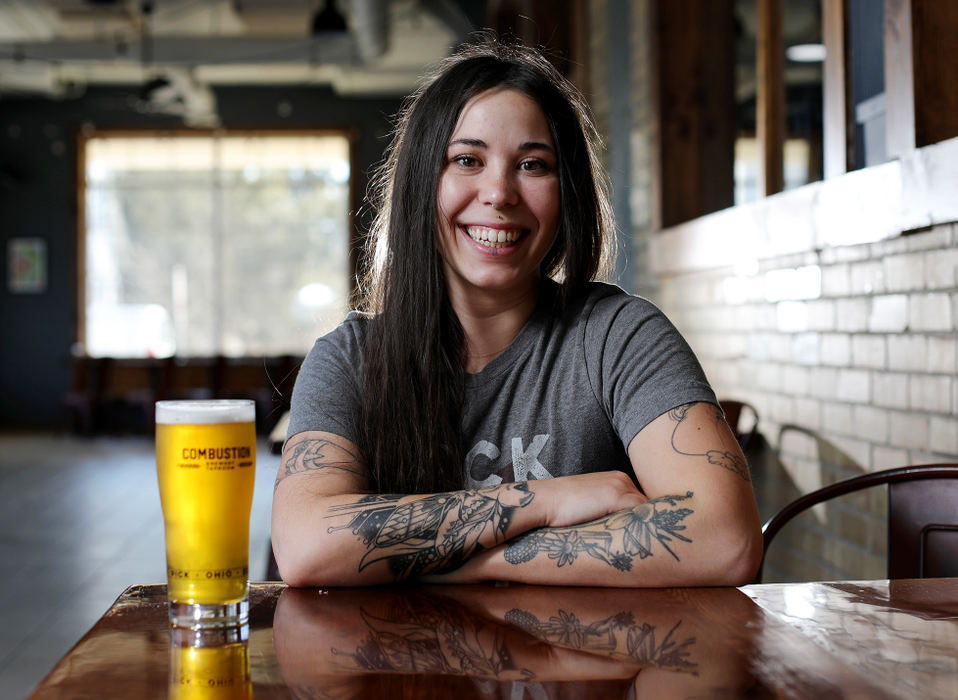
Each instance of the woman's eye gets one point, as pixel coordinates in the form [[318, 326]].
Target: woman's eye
[[466, 161], [533, 166]]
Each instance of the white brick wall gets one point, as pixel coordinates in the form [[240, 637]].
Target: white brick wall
[[852, 314], [889, 313], [890, 389], [942, 355], [869, 367], [930, 393], [889, 457], [943, 434], [941, 268], [907, 353], [909, 430], [904, 273], [930, 312], [854, 385], [870, 422], [869, 351], [868, 278], [836, 349]]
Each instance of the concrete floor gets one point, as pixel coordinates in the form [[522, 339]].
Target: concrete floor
[[80, 521]]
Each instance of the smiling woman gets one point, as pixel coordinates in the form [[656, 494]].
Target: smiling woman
[[498, 206], [492, 412]]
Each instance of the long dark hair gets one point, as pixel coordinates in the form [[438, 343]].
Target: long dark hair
[[412, 375]]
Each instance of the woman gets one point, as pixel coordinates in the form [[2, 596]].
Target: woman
[[481, 421]]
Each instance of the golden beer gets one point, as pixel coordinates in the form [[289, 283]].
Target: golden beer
[[208, 667], [205, 458]]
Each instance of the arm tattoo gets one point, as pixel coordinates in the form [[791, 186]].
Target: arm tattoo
[[318, 455], [432, 636], [615, 635], [434, 534], [723, 458], [616, 539]]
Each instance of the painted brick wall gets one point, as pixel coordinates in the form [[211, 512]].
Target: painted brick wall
[[850, 356]]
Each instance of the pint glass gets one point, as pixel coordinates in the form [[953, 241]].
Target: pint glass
[[205, 461]]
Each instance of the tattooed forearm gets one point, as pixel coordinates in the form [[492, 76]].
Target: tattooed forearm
[[317, 455], [616, 539], [433, 534], [723, 458], [618, 635]]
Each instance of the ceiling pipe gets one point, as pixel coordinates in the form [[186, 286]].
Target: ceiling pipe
[[370, 26]]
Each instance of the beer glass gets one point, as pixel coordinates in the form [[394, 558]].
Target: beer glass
[[205, 461], [209, 664]]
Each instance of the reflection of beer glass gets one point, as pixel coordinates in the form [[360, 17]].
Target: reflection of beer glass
[[209, 663], [205, 457]]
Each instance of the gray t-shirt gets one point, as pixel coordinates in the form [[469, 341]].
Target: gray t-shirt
[[566, 397]]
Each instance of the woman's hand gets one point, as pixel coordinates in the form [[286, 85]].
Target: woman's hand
[[572, 500]]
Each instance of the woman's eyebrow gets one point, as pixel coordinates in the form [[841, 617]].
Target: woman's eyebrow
[[535, 146], [475, 143], [524, 146]]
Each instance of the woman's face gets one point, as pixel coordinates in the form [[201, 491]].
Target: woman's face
[[498, 197]]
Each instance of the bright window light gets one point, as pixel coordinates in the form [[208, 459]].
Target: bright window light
[[203, 245]]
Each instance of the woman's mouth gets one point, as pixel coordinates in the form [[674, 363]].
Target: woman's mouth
[[493, 237]]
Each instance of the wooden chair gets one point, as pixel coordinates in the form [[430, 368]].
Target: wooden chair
[[742, 419], [922, 517]]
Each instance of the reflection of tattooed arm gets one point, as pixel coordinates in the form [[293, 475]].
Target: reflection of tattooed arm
[[431, 636], [616, 539], [317, 455], [723, 458], [618, 636], [431, 534]]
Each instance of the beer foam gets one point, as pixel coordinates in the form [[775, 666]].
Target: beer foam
[[205, 412]]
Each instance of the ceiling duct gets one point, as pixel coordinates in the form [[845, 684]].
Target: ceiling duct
[[371, 27], [46, 46]]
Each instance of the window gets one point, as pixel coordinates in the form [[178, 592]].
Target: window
[[203, 245], [794, 54]]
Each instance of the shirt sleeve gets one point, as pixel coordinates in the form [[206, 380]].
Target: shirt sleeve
[[639, 364], [326, 393]]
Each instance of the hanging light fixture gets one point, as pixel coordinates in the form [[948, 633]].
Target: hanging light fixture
[[327, 20]]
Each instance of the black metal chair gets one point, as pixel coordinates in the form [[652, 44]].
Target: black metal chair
[[922, 517], [742, 419], [272, 570]]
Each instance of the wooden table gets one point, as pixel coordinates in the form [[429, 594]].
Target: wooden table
[[817, 640]]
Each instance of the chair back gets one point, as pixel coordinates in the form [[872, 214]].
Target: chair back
[[742, 419], [922, 517], [923, 528]]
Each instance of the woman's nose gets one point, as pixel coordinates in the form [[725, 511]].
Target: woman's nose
[[498, 189]]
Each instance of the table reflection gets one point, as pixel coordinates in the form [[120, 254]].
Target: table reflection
[[209, 664], [900, 634], [514, 642]]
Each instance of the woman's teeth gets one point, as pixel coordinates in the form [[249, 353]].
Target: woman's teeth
[[493, 237]]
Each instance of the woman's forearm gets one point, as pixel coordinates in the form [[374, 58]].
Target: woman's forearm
[[663, 542], [353, 539]]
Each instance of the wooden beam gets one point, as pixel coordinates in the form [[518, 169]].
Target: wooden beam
[[834, 90], [770, 110], [695, 104], [899, 79], [935, 40]]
